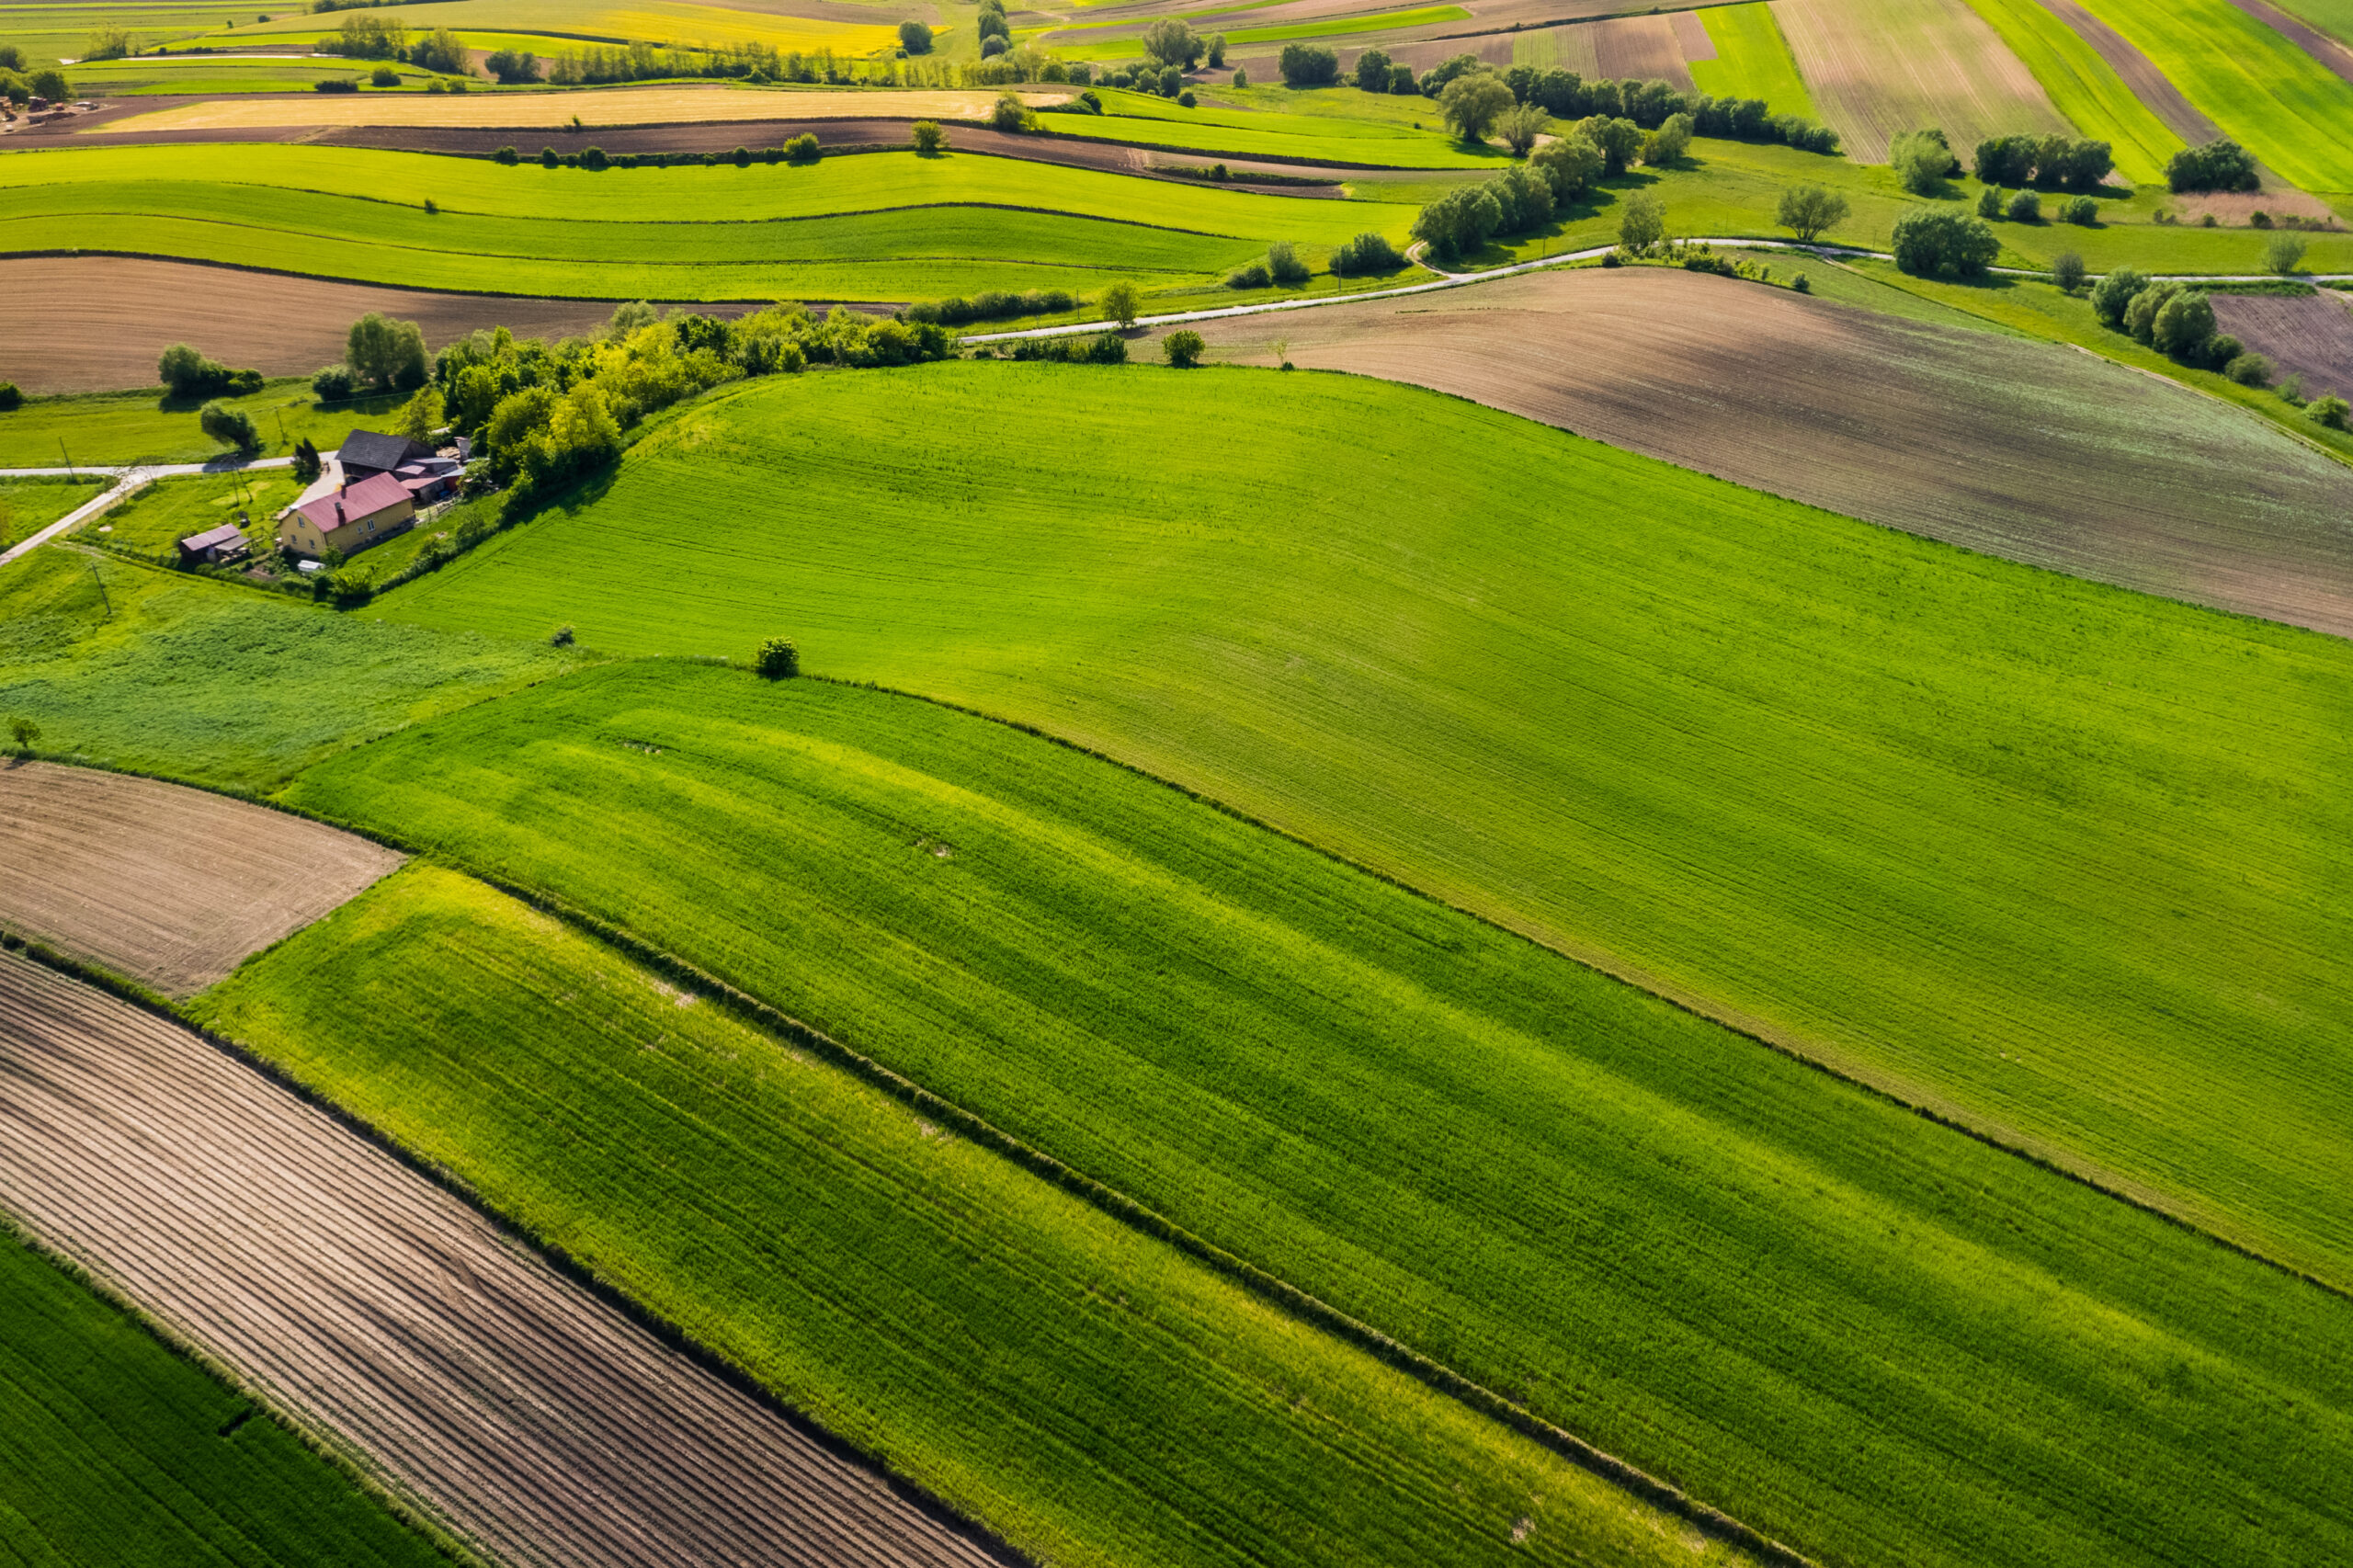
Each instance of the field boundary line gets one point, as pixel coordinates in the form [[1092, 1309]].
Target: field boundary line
[[572, 1271]]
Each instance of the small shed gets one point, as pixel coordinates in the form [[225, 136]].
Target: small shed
[[215, 547]]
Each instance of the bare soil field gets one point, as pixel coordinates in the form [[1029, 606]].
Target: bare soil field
[[598, 109], [96, 323], [171, 886], [1691, 35], [2036, 452], [1642, 49], [396, 1323], [1877, 67], [2312, 337]]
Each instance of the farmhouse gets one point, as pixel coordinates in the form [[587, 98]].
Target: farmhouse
[[215, 546], [348, 519], [367, 452]]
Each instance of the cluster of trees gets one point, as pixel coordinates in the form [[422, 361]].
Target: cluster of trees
[[995, 33], [1170, 41], [21, 82], [188, 375], [994, 305], [1564, 95], [375, 37], [1518, 199], [379, 355], [1281, 265], [2171, 318], [1308, 65], [1367, 251], [1932, 243], [1102, 349], [1923, 160], [2220, 164], [2066, 162], [2026, 207]]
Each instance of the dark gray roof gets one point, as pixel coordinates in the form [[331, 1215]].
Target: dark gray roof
[[368, 450], [212, 536]]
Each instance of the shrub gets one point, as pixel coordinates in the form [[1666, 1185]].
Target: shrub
[[1570, 162], [1801, 283], [1283, 264], [1253, 276], [308, 464], [1521, 127], [2259, 219], [2141, 315], [2080, 211], [1669, 141], [1611, 259], [1218, 172], [25, 732], [1367, 251], [1217, 51], [1240, 77], [1372, 70], [802, 149], [930, 138], [1989, 204], [337, 85], [2283, 254], [2067, 271], [436, 86], [1944, 244], [1010, 113], [2249, 371], [2221, 165], [2331, 411], [1185, 99], [1401, 81], [2026, 207], [2222, 350], [230, 426], [1811, 211], [506, 155], [992, 305], [1923, 160], [1172, 81], [384, 76], [995, 45], [1183, 349], [1642, 223], [777, 659], [1122, 303], [2184, 325], [1104, 348], [915, 38], [1309, 65], [591, 158], [2114, 293], [1472, 104], [335, 383], [548, 159], [12, 397]]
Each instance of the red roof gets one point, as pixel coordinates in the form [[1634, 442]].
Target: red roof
[[377, 492]]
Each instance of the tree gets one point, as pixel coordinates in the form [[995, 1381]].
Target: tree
[[1641, 223], [778, 659], [1669, 141], [2067, 271], [1372, 71], [386, 353], [510, 66], [1308, 65], [2331, 411], [1122, 303], [188, 372], [1368, 251], [25, 732], [1619, 140], [1183, 349], [441, 51], [915, 38], [2141, 315], [1472, 104], [1283, 264], [107, 43], [1521, 127], [1923, 160], [930, 140], [1571, 162], [1944, 244], [1010, 113], [1217, 51], [1459, 221], [2081, 210], [50, 85], [230, 426], [2249, 371], [1240, 77], [1989, 203], [804, 148], [420, 416], [2221, 165], [308, 464], [2026, 207], [384, 76], [2114, 293], [1173, 42], [2283, 254], [1810, 211], [2184, 325], [12, 397]]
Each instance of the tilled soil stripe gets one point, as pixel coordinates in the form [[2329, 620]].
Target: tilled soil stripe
[[385, 1314]]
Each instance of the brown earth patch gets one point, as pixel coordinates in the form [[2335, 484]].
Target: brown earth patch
[[1691, 36], [96, 324], [2029, 450], [385, 1316], [2312, 336], [170, 886], [1642, 49]]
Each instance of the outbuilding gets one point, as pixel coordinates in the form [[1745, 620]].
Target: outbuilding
[[348, 519], [366, 453], [215, 547]]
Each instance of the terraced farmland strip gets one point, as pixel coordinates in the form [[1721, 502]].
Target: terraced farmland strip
[[1878, 67], [170, 886], [1869, 1335], [1099, 1397], [1750, 58], [381, 1312], [2100, 83], [546, 112]]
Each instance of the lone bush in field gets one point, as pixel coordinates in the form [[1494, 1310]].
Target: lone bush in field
[[2222, 164], [1810, 211], [25, 732], [1367, 251], [2080, 211], [778, 659], [1989, 204], [2332, 411], [1923, 160], [802, 149], [2067, 271], [1521, 127], [2026, 207], [2250, 370], [1183, 349], [930, 140], [1283, 264], [230, 426], [1642, 223], [1930, 243], [1570, 162], [1471, 105], [2283, 254], [1122, 303], [915, 38]]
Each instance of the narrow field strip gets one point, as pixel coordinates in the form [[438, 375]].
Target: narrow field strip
[[552, 110], [169, 886], [2083, 65], [1879, 67], [385, 1314]]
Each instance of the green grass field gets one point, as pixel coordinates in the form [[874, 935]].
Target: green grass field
[[115, 1452], [1994, 832], [115, 429], [2258, 85], [1788, 1295], [29, 505], [2082, 86], [1753, 60], [52, 31], [1336, 125], [2332, 17], [150, 525], [1084, 44], [131, 666], [202, 74], [1093, 1395], [549, 24]]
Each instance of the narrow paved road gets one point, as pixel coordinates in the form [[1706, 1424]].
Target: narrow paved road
[[127, 480]]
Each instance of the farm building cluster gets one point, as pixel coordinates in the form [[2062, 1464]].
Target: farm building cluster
[[373, 487]]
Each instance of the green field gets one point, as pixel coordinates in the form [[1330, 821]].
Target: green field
[[666, 22], [201, 75], [29, 505], [115, 1452], [2258, 85], [130, 666], [1786, 1294], [50, 31], [115, 429], [1753, 60], [1329, 125], [1093, 1395], [2082, 86], [1075, 43], [149, 525], [1982, 861]]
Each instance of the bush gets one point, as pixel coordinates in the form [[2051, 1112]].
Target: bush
[[1570, 162], [1801, 283], [335, 383], [1811, 211], [915, 38], [992, 305], [548, 159], [25, 732], [1240, 77], [2221, 165], [2080, 211], [508, 155], [337, 85], [1989, 204], [591, 158], [802, 149], [1171, 82], [1283, 264], [930, 138], [1308, 65], [1923, 160], [1217, 51], [1010, 113], [2026, 207], [1367, 251], [1185, 99], [2259, 219], [994, 46], [189, 374], [1183, 349], [1944, 244], [384, 76], [2283, 254], [308, 464], [778, 659], [12, 397], [1253, 276], [1105, 348], [2249, 371], [230, 426], [2331, 411], [1401, 81], [1372, 70], [1669, 142], [2113, 295], [2067, 271], [561, 637], [1641, 223]]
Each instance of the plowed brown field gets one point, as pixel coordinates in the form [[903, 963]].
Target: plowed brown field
[[2312, 337], [2036, 452], [384, 1314], [1877, 67], [170, 886]]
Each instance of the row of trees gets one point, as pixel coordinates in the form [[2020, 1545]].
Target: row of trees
[[364, 37], [2069, 163], [2172, 318], [2221, 165]]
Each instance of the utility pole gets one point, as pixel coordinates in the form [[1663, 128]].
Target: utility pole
[[103, 598], [69, 457]]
